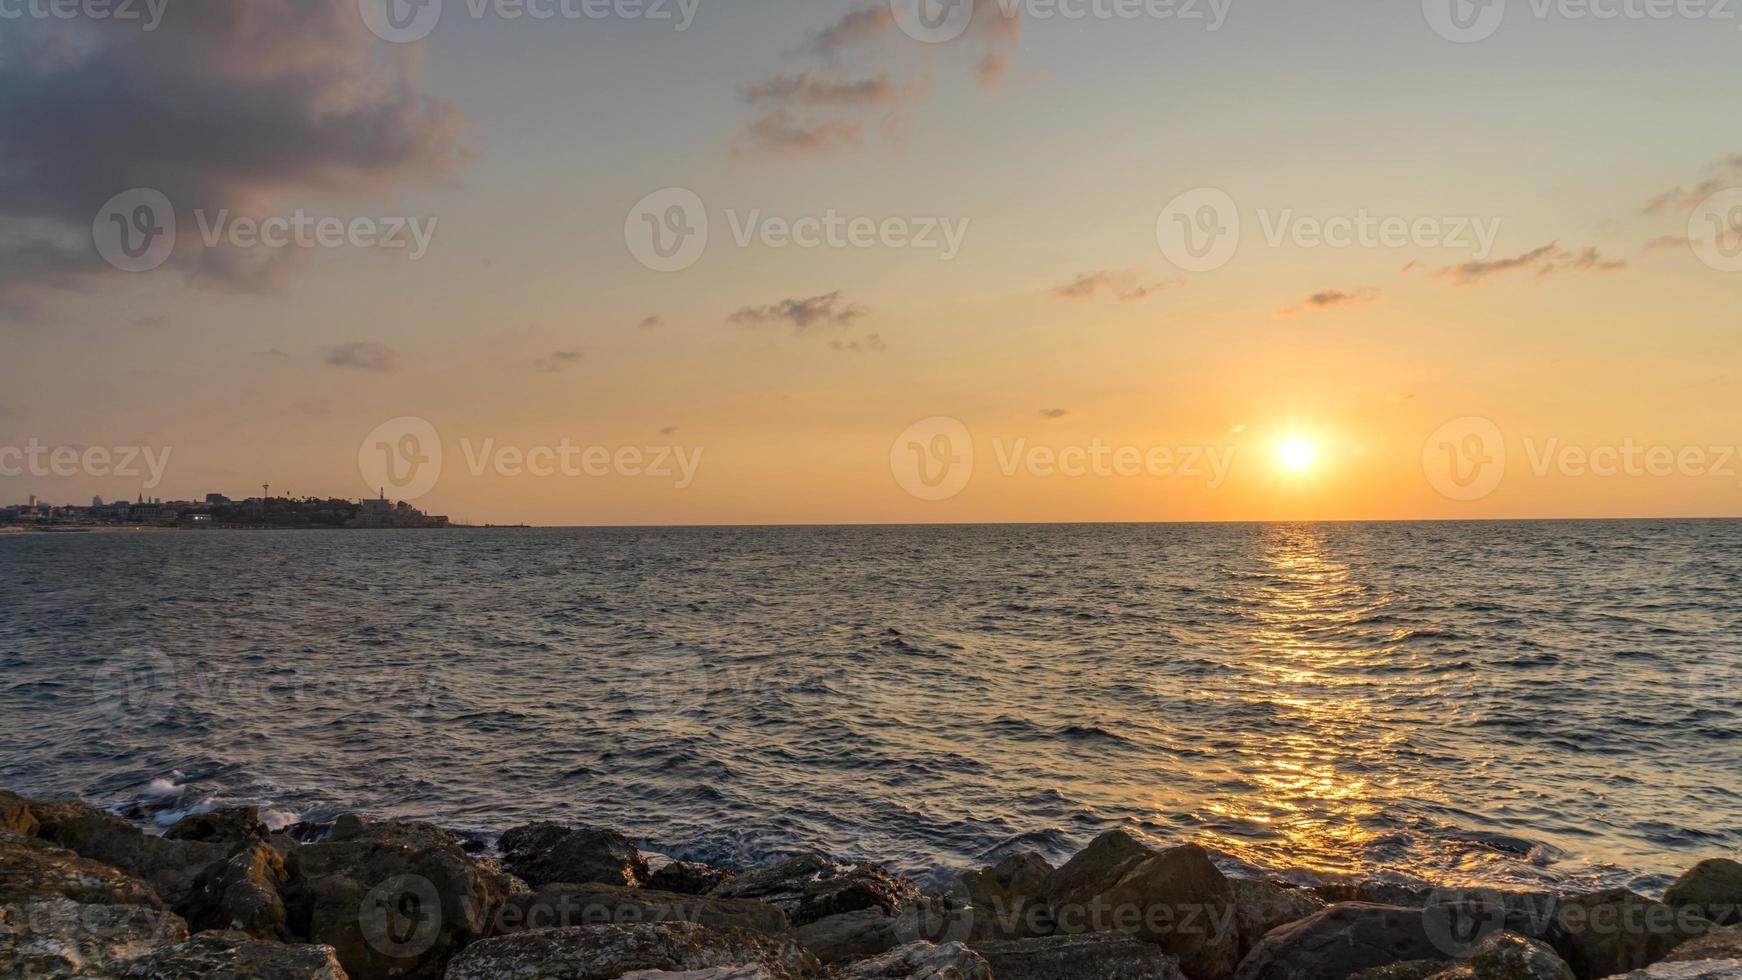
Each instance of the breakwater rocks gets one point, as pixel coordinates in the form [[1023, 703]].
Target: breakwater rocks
[[84, 893]]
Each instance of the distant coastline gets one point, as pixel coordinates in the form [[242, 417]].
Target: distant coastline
[[260, 513]]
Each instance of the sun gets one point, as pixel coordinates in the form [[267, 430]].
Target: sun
[[1295, 455]]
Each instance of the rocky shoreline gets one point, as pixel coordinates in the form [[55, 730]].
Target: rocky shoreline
[[84, 893]]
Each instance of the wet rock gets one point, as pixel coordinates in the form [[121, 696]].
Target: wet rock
[[32, 869], [1407, 970], [1713, 889], [1341, 940], [688, 878], [228, 955], [62, 938], [1609, 932], [1261, 906], [548, 853], [1175, 898], [15, 815], [1007, 900], [1719, 944], [809, 888], [921, 961], [564, 905], [227, 825], [606, 952], [1100, 956], [1374, 893], [1507, 956], [392, 899], [864, 933], [170, 866], [241, 893]]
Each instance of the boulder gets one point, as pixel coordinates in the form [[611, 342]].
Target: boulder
[[1703, 970], [548, 853], [241, 893], [15, 815], [1719, 944], [1102, 956], [1341, 940], [32, 869], [392, 899], [873, 931], [229, 955], [1261, 906], [1614, 931], [1407, 970], [564, 905], [1713, 889], [920, 961], [1506, 956], [170, 866], [226, 825], [713, 973], [1175, 898], [1374, 893], [809, 888], [688, 878], [607, 952], [1007, 900], [59, 937]]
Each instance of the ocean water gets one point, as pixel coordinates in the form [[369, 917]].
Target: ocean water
[[1452, 703]]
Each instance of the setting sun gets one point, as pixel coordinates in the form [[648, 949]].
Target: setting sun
[[1296, 455]]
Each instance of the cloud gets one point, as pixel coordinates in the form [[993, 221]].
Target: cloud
[[827, 310], [869, 344], [650, 322], [1331, 299], [1547, 260], [363, 355], [557, 361], [670, 430], [1054, 413], [226, 105], [1129, 287], [1668, 241], [1719, 176], [857, 69]]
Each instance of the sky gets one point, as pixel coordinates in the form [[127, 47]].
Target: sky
[[860, 262]]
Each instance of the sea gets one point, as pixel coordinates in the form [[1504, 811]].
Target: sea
[[1523, 704]]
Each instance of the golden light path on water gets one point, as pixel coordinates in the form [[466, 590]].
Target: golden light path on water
[[1311, 784]]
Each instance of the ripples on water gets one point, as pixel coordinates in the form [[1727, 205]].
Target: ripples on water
[[1501, 703]]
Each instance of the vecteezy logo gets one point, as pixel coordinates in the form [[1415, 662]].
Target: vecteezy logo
[[667, 230], [1199, 230], [401, 21], [933, 458], [1465, 458], [136, 686], [1464, 21], [1456, 920], [135, 230], [932, 21], [402, 456], [1715, 230], [401, 917]]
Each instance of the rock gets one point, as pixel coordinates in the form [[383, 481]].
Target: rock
[[714, 973], [1093, 957], [1261, 906], [851, 935], [1712, 888], [241, 893], [548, 853], [606, 952], [921, 961], [229, 955], [15, 815], [63, 938], [1175, 898], [227, 825], [1375, 893], [32, 869], [809, 888], [1719, 944], [564, 905], [1407, 970], [392, 899], [1702, 970], [1341, 940], [1507, 956], [1007, 900], [688, 878], [170, 866], [1615, 931]]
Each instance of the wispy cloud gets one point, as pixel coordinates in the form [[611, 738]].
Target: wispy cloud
[[1332, 299], [557, 361], [827, 310], [1725, 173], [868, 344], [650, 322], [1545, 261], [1127, 285], [364, 355], [1054, 413]]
